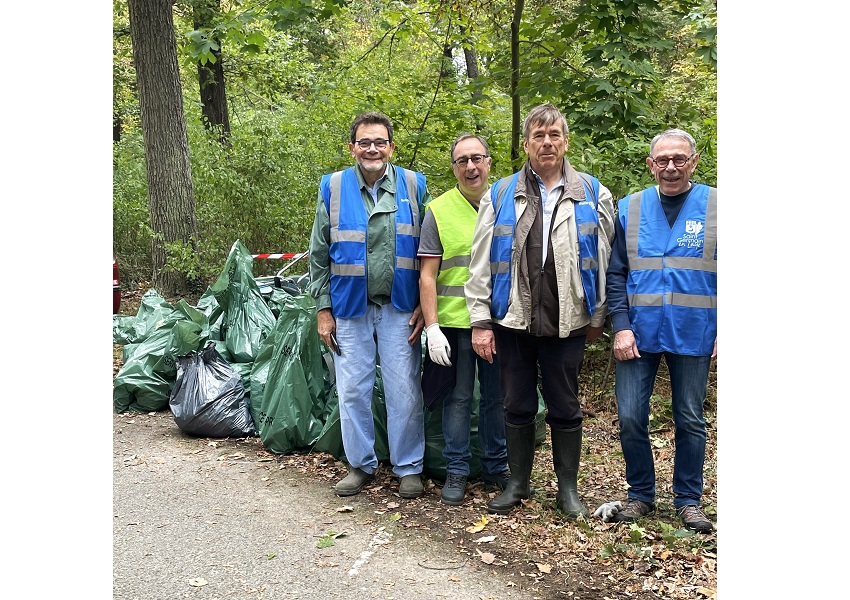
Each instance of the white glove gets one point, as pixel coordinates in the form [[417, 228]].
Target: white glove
[[438, 346], [608, 510]]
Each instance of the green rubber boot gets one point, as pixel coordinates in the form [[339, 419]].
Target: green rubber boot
[[520, 441], [566, 451]]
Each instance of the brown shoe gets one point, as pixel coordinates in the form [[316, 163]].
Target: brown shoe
[[634, 510], [693, 517]]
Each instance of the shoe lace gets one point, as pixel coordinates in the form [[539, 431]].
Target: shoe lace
[[635, 507], [454, 482], [693, 513]]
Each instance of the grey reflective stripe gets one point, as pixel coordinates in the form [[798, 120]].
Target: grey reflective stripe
[[450, 290], [637, 263], [406, 229], [673, 299], [349, 235], [408, 263], [454, 261], [349, 270], [413, 192], [587, 228], [701, 263], [333, 213], [499, 267], [710, 235], [589, 262], [502, 230]]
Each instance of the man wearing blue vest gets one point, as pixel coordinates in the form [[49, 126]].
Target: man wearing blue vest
[[662, 298], [536, 294], [364, 275], [444, 252]]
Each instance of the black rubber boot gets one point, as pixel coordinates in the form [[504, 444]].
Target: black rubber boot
[[566, 451], [520, 440]]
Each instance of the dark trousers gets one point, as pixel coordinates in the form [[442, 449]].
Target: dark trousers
[[558, 362]]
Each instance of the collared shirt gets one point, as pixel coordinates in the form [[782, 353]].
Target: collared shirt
[[548, 200]]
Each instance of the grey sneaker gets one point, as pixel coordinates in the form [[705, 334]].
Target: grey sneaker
[[498, 480], [693, 517], [353, 482], [454, 490], [634, 510], [411, 486]]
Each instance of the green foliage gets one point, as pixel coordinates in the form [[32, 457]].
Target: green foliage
[[297, 73]]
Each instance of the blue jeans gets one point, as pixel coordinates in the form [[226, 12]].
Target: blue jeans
[[457, 407], [355, 379], [635, 381]]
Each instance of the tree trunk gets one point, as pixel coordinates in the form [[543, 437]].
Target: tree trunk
[[515, 121], [211, 75], [169, 174], [472, 72]]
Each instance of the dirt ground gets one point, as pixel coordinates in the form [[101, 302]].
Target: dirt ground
[[535, 544]]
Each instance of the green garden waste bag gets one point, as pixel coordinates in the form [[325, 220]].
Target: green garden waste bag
[[145, 381], [246, 318], [287, 382], [330, 439]]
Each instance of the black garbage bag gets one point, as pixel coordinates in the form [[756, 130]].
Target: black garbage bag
[[208, 398]]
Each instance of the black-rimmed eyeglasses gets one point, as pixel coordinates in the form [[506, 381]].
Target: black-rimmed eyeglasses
[[464, 160], [365, 144], [678, 161]]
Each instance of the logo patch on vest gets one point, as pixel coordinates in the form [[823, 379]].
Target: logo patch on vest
[[691, 238], [693, 227]]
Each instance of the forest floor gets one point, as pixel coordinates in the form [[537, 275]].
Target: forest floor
[[540, 549]]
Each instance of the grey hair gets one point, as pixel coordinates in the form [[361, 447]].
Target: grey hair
[[675, 133], [466, 136], [543, 114]]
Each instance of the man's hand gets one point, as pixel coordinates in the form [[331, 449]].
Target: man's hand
[[438, 346], [417, 321], [326, 325], [484, 343], [625, 346], [607, 511]]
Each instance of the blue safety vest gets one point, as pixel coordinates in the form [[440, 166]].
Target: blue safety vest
[[587, 225], [672, 282], [349, 224]]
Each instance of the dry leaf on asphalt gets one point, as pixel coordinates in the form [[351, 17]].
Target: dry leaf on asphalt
[[197, 582]]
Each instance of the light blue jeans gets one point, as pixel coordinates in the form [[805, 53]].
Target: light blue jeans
[[491, 412], [634, 383], [355, 379]]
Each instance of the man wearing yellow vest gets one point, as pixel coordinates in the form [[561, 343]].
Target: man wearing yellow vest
[[444, 249]]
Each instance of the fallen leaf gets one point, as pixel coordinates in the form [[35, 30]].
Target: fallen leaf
[[393, 505], [487, 558], [707, 592], [478, 525], [395, 516], [270, 555], [198, 582], [346, 508], [485, 539], [544, 568]]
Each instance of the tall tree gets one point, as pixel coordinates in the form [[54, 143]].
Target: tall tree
[[211, 71], [171, 196]]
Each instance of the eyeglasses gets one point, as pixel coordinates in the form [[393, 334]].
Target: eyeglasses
[[464, 160], [678, 161], [365, 144]]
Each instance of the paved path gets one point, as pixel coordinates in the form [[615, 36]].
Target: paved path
[[218, 521]]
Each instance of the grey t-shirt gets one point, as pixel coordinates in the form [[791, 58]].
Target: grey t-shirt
[[429, 237]]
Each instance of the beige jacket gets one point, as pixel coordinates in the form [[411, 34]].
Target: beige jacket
[[572, 312]]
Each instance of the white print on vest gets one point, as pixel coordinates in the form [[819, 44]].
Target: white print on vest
[[693, 227]]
